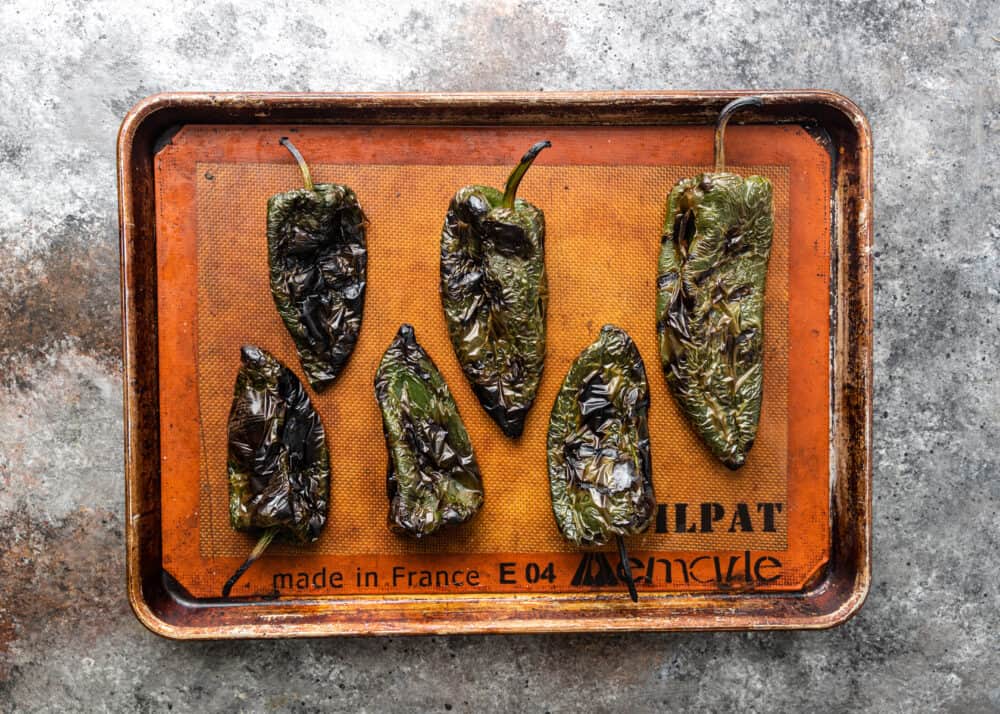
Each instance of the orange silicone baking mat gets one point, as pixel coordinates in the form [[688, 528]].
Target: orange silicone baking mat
[[603, 193]]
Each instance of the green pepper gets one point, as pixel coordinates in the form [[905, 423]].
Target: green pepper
[[495, 294], [318, 263], [433, 479], [278, 465], [600, 471], [710, 300]]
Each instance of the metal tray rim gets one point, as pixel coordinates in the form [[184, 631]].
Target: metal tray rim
[[562, 612]]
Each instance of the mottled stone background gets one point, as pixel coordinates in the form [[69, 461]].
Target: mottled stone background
[[926, 73]]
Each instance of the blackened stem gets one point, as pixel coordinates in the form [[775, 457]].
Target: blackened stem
[[720, 126], [303, 166], [514, 180], [258, 550], [627, 567]]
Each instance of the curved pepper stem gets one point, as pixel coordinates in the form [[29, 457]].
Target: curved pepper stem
[[303, 166], [514, 180], [627, 567], [258, 550], [720, 127]]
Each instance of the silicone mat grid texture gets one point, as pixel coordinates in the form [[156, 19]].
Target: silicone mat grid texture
[[603, 226]]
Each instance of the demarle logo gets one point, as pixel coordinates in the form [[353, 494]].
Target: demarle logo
[[594, 569]]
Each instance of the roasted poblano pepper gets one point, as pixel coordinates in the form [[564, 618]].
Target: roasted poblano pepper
[[433, 479], [494, 292], [598, 446], [279, 467], [318, 257], [710, 300]]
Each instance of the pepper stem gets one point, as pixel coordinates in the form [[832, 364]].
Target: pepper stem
[[720, 126], [627, 567], [306, 178], [258, 550], [514, 180]]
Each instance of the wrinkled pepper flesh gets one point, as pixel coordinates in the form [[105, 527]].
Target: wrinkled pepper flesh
[[600, 472], [710, 300], [495, 294], [278, 464], [318, 264], [433, 478]]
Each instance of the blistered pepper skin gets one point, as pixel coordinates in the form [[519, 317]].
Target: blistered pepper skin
[[600, 472], [433, 479], [318, 257], [494, 292], [710, 306], [278, 464]]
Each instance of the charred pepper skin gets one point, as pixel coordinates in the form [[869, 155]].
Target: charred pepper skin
[[710, 302], [278, 463], [495, 294], [318, 258], [433, 479], [600, 471]]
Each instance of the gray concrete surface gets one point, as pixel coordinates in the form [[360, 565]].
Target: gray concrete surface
[[926, 73]]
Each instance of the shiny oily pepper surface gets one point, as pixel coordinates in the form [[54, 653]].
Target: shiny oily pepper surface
[[278, 464], [433, 479], [598, 444], [495, 294], [710, 302], [318, 266]]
